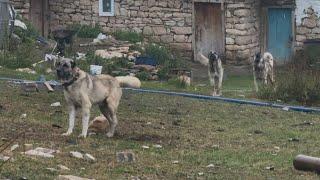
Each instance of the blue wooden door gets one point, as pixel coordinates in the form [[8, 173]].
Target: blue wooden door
[[279, 41]]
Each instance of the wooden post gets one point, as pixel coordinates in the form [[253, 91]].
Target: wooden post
[[306, 163]]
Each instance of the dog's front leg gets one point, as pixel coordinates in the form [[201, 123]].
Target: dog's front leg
[[72, 116], [85, 120]]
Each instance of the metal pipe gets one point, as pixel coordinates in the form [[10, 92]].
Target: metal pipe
[[198, 96]]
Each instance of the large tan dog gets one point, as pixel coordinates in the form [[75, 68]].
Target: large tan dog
[[82, 90]]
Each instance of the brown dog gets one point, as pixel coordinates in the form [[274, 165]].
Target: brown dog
[[82, 90]]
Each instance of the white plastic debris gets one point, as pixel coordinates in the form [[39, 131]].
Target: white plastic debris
[[21, 24], [95, 70], [56, 104], [286, 108], [175, 162], [200, 173], [210, 166], [145, 147]]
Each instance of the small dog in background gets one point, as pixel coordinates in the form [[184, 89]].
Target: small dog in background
[[263, 69], [215, 72]]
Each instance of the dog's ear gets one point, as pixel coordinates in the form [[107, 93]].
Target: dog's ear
[[73, 64]]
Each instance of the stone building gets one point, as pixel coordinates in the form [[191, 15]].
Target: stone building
[[236, 29]]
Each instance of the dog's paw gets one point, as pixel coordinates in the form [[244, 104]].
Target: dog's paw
[[66, 134], [109, 134], [82, 136]]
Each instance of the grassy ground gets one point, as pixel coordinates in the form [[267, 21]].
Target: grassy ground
[[241, 141]]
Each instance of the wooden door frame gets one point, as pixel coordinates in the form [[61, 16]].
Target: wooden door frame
[[221, 2], [264, 26], [44, 17]]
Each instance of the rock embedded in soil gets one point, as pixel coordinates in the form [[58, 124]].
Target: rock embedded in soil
[[64, 168], [125, 156], [89, 157], [71, 177]]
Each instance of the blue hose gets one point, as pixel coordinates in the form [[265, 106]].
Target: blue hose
[[197, 96]]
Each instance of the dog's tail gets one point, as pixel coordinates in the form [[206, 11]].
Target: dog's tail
[[129, 81]]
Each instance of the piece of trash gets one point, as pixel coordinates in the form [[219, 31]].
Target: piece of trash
[[80, 56], [23, 116], [14, 147], [210, 166], [285, 108], [175, 162], [48, 86], [200, 173], [271, 168], [76, 154], [19, 23], [145, 147], [277, 148], [149, 123], [95, 70], [56, 104], [157, 146], [294, 139], [89, 157]]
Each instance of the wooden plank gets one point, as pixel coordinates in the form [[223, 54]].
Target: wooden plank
[[48, 86]]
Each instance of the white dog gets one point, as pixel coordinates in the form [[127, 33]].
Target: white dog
[[263, 69]]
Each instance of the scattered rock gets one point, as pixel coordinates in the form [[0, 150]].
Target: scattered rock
[[26, 70], [4, 158], [71, 177], [63, 168], [41, 152], [125, 156], [145, 147], [109, 54], [89, 157], [200, 173], [52, 169], [99, 124], [14, 147], [157, 146], [76, 154], [56, 104], [175, 162], [277, 148], [258, 132], [210, 166]]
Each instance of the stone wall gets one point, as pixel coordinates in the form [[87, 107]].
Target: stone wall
[[308, 29], [22, 6], [167, 21], [242, 30]]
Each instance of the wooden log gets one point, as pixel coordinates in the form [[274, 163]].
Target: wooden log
[[306, 163]]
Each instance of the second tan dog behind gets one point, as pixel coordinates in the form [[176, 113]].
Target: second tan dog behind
[[82, 90]]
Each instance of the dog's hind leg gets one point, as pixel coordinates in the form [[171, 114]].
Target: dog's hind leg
[[220, 83], [105, 111], [72, 117]]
